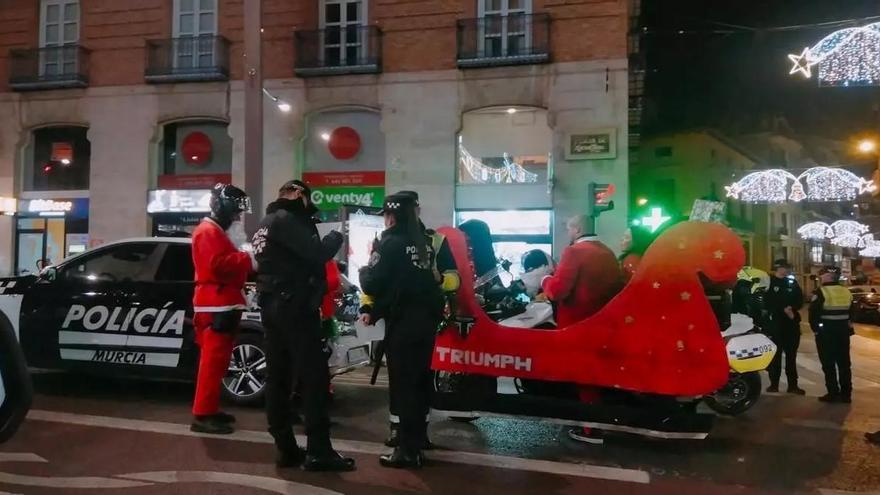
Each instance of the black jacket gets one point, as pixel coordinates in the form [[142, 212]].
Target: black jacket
[[782, 293], [394, 277], [290, 255]]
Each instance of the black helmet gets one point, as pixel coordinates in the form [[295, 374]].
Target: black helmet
[[227, 202]]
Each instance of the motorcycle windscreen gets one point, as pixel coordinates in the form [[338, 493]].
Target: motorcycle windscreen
[[16, 389]]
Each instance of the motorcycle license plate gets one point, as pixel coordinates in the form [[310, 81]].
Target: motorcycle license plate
[[358, 354]]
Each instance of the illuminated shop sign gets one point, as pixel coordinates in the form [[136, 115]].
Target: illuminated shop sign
[[179, 201], [48, 207], [8, 206]]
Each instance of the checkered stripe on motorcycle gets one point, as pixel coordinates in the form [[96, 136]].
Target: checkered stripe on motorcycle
[[746, 353], [4, 286]]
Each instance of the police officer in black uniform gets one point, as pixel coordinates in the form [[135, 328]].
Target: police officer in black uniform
[[406, 291], [445, 268], [830, 320], [783, 301], [291, 281]]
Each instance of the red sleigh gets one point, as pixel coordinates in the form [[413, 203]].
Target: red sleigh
[[657, 336]]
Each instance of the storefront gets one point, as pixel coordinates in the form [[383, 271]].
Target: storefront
[[49, 230], [177, 212]]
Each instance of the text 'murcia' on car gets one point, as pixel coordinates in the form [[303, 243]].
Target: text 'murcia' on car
[[125, 308]]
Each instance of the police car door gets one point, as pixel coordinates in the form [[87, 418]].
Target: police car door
[[87, 315]]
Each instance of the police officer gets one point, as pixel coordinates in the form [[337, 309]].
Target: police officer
[[291, 282], [830, 321], [401, 280], [783, 302], [444, 268]]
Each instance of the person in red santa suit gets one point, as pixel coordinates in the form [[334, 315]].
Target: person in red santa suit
[[587, 277], [221, 271]]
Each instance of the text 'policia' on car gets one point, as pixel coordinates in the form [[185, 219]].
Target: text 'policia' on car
[[126, 308]]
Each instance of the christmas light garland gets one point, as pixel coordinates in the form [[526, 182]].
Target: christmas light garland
[[872, 249], [848, 57], [510, 172], [843, 233], [820, 184]]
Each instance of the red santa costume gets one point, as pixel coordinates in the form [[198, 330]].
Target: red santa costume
[[587, 277], [221, 271]]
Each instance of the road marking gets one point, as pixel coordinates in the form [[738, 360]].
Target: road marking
[[827, 491], [819, 424], [69, 482], [816, 367], [20, 457], [245, 480], [353, 446]]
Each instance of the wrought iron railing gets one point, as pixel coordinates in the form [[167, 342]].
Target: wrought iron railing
[[189, 58], [338, 50], [50, 67], [503, 40]]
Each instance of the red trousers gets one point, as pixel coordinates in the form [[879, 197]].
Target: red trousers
[[216, 351]]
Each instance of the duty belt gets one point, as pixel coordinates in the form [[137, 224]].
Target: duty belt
[[835, 317]]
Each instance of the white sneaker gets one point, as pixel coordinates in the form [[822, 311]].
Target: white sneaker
[[594, 437]]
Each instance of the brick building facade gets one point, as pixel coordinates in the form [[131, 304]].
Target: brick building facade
[[480, 105]]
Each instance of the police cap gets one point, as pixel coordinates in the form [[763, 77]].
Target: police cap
[[396, 203]]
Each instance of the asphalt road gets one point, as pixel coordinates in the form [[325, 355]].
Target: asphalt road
[[97, 435]]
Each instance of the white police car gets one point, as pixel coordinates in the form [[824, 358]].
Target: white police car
[[126, 308]]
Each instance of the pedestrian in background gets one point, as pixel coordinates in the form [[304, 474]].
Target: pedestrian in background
[[783, 302], [405, 290], [830, 320], [292, 282], [221, 270]]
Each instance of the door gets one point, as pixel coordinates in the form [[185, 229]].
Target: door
[[59, 28], [343, 41], [195, 24], [30, 246], [506, 27]]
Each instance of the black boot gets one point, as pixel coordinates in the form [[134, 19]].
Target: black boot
[[289, 458], [393, 439], [795, 390], [403, 459], [225, 417], [211, 425], [829, 397], [328, 461]]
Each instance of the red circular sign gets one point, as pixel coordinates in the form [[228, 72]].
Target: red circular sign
[[344, 143], [196, 148]]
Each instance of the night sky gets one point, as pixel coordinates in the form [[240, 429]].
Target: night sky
[[734, 79]]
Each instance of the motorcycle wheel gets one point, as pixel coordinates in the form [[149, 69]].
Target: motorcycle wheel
[[738, 395], [445, 382]]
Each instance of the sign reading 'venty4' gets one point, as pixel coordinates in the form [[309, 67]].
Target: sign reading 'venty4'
[[331, 190]]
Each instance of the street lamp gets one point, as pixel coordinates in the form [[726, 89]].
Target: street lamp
[[867, 146]]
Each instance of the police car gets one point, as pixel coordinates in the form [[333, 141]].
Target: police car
[[126, 308]]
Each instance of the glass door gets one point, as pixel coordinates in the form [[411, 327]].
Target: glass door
[[505, 27], [59, 35], [195, 24], [343, 41]]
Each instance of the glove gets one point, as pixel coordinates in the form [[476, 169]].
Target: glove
[[333, 241]]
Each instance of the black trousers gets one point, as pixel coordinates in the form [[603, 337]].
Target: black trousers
[[832, 343], [410, 348], [296, 359], [786, 334]]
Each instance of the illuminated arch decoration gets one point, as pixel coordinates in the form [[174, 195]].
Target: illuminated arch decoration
[[848, 57], [871, 250], [843, 233], [818, 184], [815, 231]]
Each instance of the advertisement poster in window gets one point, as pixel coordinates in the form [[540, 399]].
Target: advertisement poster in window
[[593, 144]]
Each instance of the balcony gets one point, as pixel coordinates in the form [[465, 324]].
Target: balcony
[[338, 51], [188, 59], [54, 67], [503, 40]]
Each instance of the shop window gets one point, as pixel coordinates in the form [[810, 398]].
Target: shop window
[[177, 264], [515, 232], [58, 160], [195, 155], [123, 263]]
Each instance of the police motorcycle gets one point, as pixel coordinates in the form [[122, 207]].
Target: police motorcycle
[[654, 354]]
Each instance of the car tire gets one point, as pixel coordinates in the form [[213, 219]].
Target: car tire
[[245, 381]]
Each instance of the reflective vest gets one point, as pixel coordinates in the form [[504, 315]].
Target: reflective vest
[[837, 302]]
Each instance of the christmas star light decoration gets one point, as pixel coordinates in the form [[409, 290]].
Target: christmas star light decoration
[[815, 231], [847, 57], [818, 184], [844, 233]]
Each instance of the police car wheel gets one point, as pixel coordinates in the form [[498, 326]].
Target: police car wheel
[[245, 380]]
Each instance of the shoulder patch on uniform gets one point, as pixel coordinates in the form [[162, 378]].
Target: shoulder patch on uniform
[[374, 258], [814, 298]]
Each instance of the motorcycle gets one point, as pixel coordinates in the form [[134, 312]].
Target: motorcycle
[[476, 356]]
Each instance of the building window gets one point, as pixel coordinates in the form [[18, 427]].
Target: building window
[[783, 227], [816, 254], [59, 26], [57, 160], [505, 26], [663, 152], [195, 24], [341, 21]]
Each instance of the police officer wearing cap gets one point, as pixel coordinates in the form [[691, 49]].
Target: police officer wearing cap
[[405, 290], [830, 321], [291, 282], [783, 302], [444, 268]]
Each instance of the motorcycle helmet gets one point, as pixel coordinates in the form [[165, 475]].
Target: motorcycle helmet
[[227, 202], [758, 278], [536, 265]]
